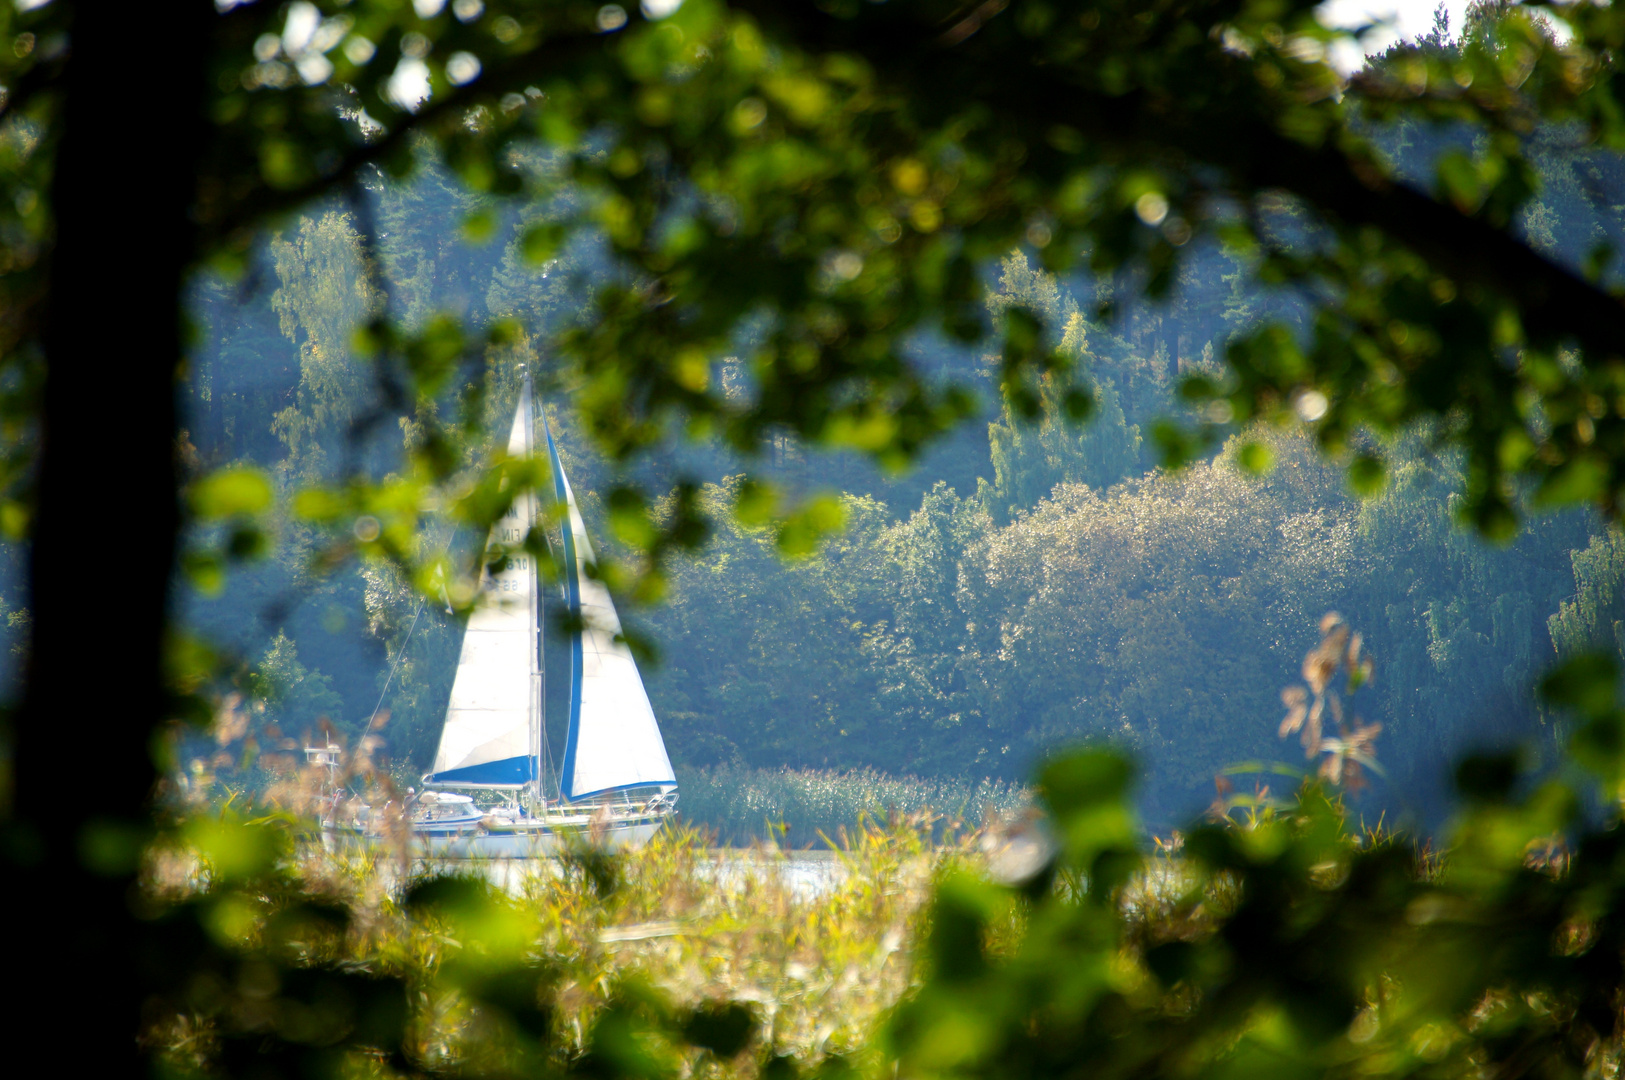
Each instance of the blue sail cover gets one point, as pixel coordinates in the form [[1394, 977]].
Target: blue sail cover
[[508, 772]]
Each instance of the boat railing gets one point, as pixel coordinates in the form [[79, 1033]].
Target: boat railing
[[662, 802], [620, 805]]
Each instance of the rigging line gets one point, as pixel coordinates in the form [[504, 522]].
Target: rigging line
[[405, 642], [373, 719]]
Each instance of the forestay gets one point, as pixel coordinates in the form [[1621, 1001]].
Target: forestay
[[613, 741], [488, 739]]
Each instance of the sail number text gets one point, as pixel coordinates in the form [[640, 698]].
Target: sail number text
[[496, 583]]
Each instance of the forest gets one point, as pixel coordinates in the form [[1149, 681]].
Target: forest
[[1031, 583]]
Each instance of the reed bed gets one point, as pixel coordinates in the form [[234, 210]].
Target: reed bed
[[524, 967], [800, 807], [677, 919]]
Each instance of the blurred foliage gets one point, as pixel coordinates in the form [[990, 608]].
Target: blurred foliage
[[806, 175], [1285, 940], [273, 957], [1292, 946], [810, 167], [804, 188]]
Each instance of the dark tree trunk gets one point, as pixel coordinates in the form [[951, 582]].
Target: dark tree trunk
[[104, 535]]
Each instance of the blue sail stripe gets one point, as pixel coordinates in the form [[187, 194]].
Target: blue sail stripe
[[573, 591], [627, 787], [514, 770]]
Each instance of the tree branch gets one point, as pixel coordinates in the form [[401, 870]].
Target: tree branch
[[1233, 132], [263, 201]]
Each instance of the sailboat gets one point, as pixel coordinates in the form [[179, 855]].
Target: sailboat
[[615, 786]]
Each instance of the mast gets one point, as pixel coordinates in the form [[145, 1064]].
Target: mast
[[537, 719]]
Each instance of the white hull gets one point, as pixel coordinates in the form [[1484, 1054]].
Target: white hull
[[524, 840]]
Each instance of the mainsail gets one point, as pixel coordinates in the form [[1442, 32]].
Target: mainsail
[[490, 735], [613, 742]]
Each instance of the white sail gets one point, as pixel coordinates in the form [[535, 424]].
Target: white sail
[[614, 741], [488, 739]]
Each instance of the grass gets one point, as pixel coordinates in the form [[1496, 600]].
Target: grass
[[792, 807], [539, 968], [677, 920]]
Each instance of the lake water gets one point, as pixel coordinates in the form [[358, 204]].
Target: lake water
[[809, 873]]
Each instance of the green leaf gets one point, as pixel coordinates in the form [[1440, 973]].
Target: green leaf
[[1488, 777], [629, 519], [1255, 459], [1368, 476], [237, 489], [479, 227], [724, 1028], [433, 354], [810, 524], [1586, 683], [233, 850], [112, 848], [1176, 446], [206, 571], [1581, 480], [1597, 260], [320, 505], [283, 164], [755, 502], [1460, 181], [621, 1046], [960, 913], [14, 519], [1085, 779], [1079, 404], [541, 242]]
